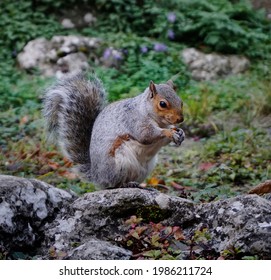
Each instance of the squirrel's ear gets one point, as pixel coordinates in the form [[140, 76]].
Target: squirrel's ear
[[171, 84], [152, 89]]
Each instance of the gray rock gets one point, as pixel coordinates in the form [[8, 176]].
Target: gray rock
[[95, 249], [61, 54], [70, 63], [36, 215], [242, 222], [206, 67], [25, 206], [34, 53], [89, 18], [67, 23], [102, 214]]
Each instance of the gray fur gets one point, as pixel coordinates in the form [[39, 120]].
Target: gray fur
[[86, 130], [70, 108]]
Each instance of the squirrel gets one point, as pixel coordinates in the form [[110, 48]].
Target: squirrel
[[113, 145]]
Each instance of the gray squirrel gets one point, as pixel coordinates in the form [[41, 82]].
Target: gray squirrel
[[113, 145]]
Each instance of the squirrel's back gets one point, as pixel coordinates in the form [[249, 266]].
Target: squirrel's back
[[70, 109]]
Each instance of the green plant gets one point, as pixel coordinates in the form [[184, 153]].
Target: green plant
[[151, 241], [220, 26], [142, 61]]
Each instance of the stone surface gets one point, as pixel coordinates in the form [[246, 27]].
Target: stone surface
[[34, 53], [36, 217], [95, 249], [61, 54], [70, 63], [67, 23], [213, 66], [25, 207], [242, 222], [102, 214], [89, 18]]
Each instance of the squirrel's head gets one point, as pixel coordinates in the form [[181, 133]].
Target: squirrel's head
[[167, 105]]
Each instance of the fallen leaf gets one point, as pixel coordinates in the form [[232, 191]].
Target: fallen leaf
[[68, 163], [180, 187], [178, 234], [53, 165], [24, 120], [36, 152], [68, 175], [156, 181], [205, 166], [50, 154], [262, 188]]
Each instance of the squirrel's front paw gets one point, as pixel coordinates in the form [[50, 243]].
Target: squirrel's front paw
[[178, 136]]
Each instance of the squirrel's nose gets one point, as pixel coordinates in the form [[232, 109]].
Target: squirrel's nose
[[180, 119]]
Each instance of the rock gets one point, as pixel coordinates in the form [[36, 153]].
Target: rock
[[25, 207], [242, 222], [89, 18], [95, 249], [60, 55], [73, 43], [73, 62], [67, 23], [213, 66], [34, 53], [102, 214], [37, 218]]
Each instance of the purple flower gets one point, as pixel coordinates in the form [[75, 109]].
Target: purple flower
[[143, 49], [117, 55], [111, 53], [171, 17], [170, 34], [160, 47], [107, 53]]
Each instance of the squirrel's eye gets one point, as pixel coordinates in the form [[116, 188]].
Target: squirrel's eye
[[163, 104]]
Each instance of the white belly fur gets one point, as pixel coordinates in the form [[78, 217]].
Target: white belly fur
[[135, 160]]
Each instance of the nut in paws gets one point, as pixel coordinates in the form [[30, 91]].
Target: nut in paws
[[178, 137]]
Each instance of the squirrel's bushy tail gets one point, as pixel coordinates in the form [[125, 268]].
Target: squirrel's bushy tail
[[70, 108]]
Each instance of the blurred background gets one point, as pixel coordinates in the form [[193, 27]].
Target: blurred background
[[216, 51]]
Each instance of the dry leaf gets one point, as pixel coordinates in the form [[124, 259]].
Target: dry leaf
[[178, 235], [180, 187], [262, 188], [205, 166], [68, 175], [53, 165], [24, 120], [155, 181], [50, 154]]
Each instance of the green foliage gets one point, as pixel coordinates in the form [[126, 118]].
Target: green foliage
[[227, 164], [19, 23], [155, 241], [138, 67], [223, 27], [152, 241], [220, 26]]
